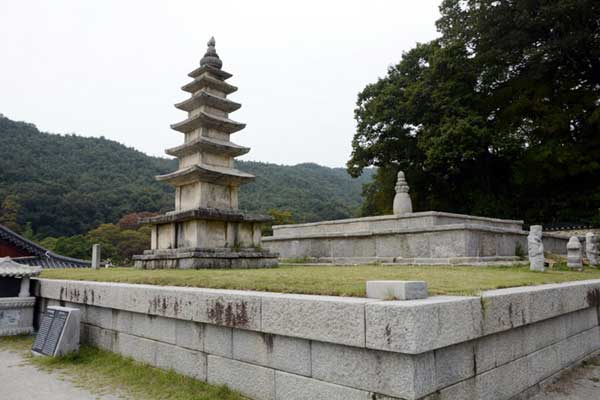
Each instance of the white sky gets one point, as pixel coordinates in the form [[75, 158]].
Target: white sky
[[115, 67]]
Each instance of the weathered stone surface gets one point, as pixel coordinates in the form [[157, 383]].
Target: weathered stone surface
[[189, 334], [251, 380], [187, 362], [535, 248], [394, 374], [416, 326], [96, 256], [279, 352], [153, 327], [324, 318], [423, 237], [454, 363], [294, 387], [397, 290], [402, 202], [218, 340], [574, 256], [99, 337], [16, 315], [513, 307], [592, 249], [219, 307], [140, 349]]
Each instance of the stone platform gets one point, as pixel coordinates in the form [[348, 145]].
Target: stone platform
[[196, 258], [416, 238]]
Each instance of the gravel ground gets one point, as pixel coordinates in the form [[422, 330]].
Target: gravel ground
[[580, 383], [22, 381]]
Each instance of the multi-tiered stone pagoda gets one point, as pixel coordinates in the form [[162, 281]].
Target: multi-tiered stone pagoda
[[207, 230]]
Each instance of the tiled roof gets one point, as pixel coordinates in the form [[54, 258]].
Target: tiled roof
[[10, 268], [40, 256]]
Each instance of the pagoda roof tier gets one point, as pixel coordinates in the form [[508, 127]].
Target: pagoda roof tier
[[214, 214], [207, 81], [209, 68], [210, 144], [203, 98], [206, 173], [210, 121]]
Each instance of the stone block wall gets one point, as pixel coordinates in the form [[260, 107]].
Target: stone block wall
[[500, 345], [416, 238]]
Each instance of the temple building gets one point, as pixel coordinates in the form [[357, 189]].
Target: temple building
[[24, 251], [206, 229]]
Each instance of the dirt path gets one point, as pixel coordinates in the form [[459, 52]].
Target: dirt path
[[22, 381]]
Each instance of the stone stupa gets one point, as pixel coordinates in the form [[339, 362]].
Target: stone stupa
[[206, 229]]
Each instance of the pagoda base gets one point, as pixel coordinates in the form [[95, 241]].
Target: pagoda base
[[197, 258]]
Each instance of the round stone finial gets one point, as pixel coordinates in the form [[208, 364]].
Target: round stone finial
[[402, 202], [211, 57]]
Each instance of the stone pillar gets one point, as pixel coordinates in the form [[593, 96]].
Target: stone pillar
[[574, 260], [535, 248], [96, 256], [402, 202], [591, 248], [24, 292]]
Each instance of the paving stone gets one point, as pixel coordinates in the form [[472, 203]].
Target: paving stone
[[253, 381], [294, 387], [275, 351]]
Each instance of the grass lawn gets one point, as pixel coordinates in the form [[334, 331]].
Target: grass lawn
[[333, 280], [102, 372]]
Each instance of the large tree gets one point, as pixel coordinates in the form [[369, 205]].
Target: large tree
[[499, 116]]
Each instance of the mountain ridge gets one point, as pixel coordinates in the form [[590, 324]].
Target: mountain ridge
[[65, 184]]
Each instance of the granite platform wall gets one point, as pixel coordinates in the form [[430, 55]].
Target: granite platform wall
[[501, 345], [417, 238]]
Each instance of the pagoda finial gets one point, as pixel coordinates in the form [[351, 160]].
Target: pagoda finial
[[211, 57]]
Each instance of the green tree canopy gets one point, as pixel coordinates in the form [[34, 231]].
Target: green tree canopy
[[499, 116]]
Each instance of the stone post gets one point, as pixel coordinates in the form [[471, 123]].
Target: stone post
[[591, 248], [96, 255], [535, 248], [402, 202], [24, 292], [574, 260]]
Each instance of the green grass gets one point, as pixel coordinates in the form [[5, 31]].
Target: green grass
[[333, 280], [104, 372]]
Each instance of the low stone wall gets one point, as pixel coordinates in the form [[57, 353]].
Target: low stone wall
[[417, 238], [500, 345]]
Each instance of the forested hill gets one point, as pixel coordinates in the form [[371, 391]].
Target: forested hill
[[66, 184]]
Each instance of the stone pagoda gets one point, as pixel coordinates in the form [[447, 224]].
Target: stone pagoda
[[206, 229]]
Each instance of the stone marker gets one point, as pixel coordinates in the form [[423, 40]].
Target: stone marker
[[591, 248], [16, 305], [96, 256], [574, 259], [207, 229], [58, 333], [397, 290], [402, 202], [535, 248]]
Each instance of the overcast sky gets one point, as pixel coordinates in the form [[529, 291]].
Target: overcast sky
[[115, 67]]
